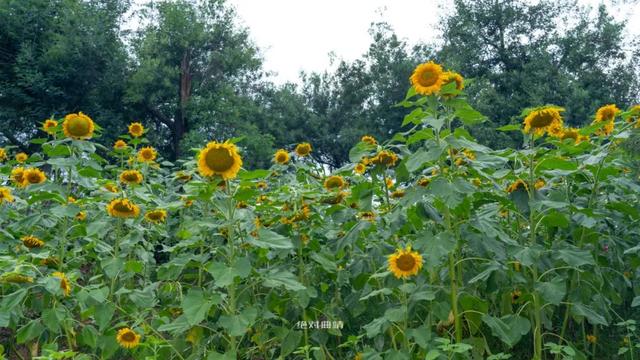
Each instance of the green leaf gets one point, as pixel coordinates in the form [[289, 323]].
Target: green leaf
[[29, 332], [510, 127], [636, 301], [509, 329], [474, 308], [591, 315], [553, 291], [575, 257], [195, 306], [268, 239], [277, 278], [237, 325]]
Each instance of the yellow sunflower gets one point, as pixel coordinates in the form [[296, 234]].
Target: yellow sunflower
[[574, 134], [452, 76], [131, 177], [303, 149], [64, 282], [367, 215], [49, 126], [147, 154], [404, 263], [369, 140], [281, 157], [634, 114], [518, 185], [542, 119], [127, 338], [606, 114], [592, 339], [78, 126], [31, 241], [33, 176], [17, 176], [123, 208], [21, 157], [15, 278], [427, 78], [539, 184], [360, 168], [334, 182], [424, 181], [219, 159], [183, 176], [81, 216], [398, 194], [3, 154], [385, 158], [156, 216], [111, 187], [261, 185], [136, 129], [119, 145], [5, 195]]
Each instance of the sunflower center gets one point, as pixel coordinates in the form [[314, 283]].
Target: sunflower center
[[128, 336], [220, 160], [122, 208], [282, 157], [78, 127], [33, 178], [131, 177], [542, 119], [406, 262], [334, 183], [155, 215], [428, 78]]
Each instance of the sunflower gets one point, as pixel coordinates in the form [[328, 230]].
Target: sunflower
[[398, 194], [123, 208], [136, 129], [360, 168], [21, 157], [81, 216], [131, 177], [556, 130], [31, 241], [127, 338], [404, 263], [476, 181], [634, 114], [542, 118], [515, 295], [427, 78], [5, 195], [539, 184], [368, 139], [78, 126], [34, 176], [606, 114], [452, 76], [518, 185], [219, 159], [110, 187], [281, 157], [119, 145], [15, 278], [147, 154], [183, 176], [261, 185], [334, 182], [3, 154], [367, 215], [424, 181], [389, 182], [156, 216], [49, 126], [592, 339], [64, 282], [303, 149], [385, 158], [17, 176]]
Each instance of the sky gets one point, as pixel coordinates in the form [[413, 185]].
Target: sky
[[297, 35]]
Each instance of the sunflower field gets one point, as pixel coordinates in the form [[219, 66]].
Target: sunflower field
[[426, 246]]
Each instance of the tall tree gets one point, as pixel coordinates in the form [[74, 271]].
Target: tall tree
[[57, 57], [522, 54]]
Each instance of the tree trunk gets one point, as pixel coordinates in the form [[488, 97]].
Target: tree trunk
[[181, 126]]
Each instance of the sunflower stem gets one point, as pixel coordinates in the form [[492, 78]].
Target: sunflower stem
[[537, 307]]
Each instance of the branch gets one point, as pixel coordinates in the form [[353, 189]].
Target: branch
[[160, 116], [14, 141]]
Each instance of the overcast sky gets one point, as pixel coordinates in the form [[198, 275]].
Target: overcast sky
[[297, 35]]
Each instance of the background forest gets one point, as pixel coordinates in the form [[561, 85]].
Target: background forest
[[189, 71]]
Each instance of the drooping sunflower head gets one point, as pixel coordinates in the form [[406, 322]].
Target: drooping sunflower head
[[368, 139], [81, 216], [539, 184], [5, 195], [3, 154], [147, 154], [49, 126], [517, 185], [131, 177], [65, 286], [556, 130], [111, 187], [156, 216], [281, 157], [542, 118], [123, 208], [385, 158], [119, 145], [219, 159], [78, 126], [303, 149], [404, 263], [136, 129], [15, 278], [427, 78], [452, 76], [17, 176], [397, 194], [424, 181], [360, 168], [21, 157], [334, 182], [31, 241], [367, 216], [33, 176], [127, 338], [606, 113], [634, 114]]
